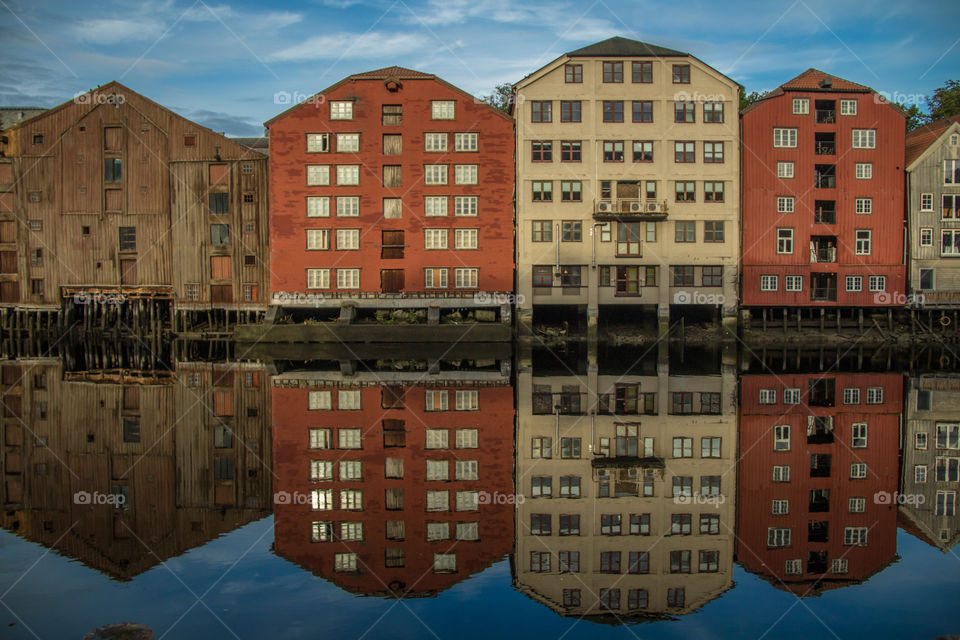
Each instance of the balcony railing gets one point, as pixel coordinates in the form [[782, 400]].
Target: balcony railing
[[825, 181], [823, 254], [826, 148], [629, 208], [823, 294], [826, 116]]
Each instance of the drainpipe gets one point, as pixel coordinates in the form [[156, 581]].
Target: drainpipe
[[556, 439], [557, 244], [593, 245]]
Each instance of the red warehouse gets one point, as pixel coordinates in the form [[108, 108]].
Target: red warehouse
[[385, 489], [823, 194], [393, 189], [819, 464]]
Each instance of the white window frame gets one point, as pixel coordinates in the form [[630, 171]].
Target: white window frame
[[791, 395], [863, 171], [863, 242], [858, 470], [785, 204], [348, 239], [856, 505], [466, 206], [318, 175], [435, 174], [780, 507], [319, 438], [466, 400], [858, 435], [443, 109], [436, 239], [781, 437], [926, 202], [863, 139], [784, 240], [854, 283], [318, 206], [341, 110], [784, 138], [768, 396], [466, 142], [785, 170], [848, 107], [467, 439], [926, 237], [781, 473], [768, 283], [318, 143], [920, 473], [855, 536], [851, 395], [348, 206], [435, 142], [348, 174], [348, 143], [318, 278], [436, 438], [793, 283], [318, 239], [466, 277], [877, 283], [466, 238], [863, 206], [436, 400], [431, 275], [466, 173], [801, 106], [436, 206], [348, 278]]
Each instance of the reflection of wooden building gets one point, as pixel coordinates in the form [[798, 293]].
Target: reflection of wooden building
[[383, 478], [111, 194], [818, 469], [931, 460], [189, 455], [629, 484]]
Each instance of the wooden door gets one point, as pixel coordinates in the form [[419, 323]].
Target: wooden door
[[391, 280], [128, 272]]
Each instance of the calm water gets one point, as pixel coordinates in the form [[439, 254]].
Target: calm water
[[380, 491]]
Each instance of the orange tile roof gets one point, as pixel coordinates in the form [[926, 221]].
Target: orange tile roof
[[388, 73], [810, 80]]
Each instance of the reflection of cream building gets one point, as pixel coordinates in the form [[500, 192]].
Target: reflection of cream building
[[599, 461], [628, 180], [931, 459]]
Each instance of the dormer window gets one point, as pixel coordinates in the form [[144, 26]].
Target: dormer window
[[38, 138]]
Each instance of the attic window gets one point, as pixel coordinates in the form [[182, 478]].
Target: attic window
[[38, 138], [190, 140], [82, 128], [246, 167], [392, 84], [954, 140]]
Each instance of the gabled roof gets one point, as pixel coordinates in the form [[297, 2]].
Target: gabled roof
[[814, 80], [255, 144], [624, 47], [391, 73], [923, 137]]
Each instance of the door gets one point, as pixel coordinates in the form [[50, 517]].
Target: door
[[128, 272], [391, 280], [392, 243]]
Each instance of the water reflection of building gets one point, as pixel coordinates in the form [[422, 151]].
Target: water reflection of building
[[395, 481], [629, 481], [931, 460], [818, 472], [187, 453]]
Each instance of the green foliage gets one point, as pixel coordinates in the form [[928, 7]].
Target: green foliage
[[945, 101], [747, 99], [501, 98]]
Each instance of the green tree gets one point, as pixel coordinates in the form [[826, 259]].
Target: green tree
[[945, 101], [916, 118], [501, 98], [747, 99]]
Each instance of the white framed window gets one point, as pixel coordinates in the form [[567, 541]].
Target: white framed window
[[781, 473], [791, 395], [859, 435], [858, 470], [348, 278], [438, 470], [466, 400], [351, 499], [321, 531], [784, 241], [864, 138], [438, 501], [318, 206], [341, 110], [794, 283], [318, 142], [442, 109], [465, 142], [438, 531], [926, 202], [320, 400], [321, 470], [848, 107], [437, 400], [854, 283], [467, 439], [465, 278], [951, 172], [768, 396], [768, 283], [784, 169], [319, 438], [781, 437], [855, 536], [785, 204], [468, 531], [465, 174], [435, 174], [839, 565], [348, 240], [348, 206], [436, 278], [435, 238], [920, 473], [864, 241], [435, 142], [465, 238], [780, 507], [467, 501], [920, 441], [777, 537], [348, 174], [874, 395], [926, 237], [344, 562], [864, 171], [949, 242], [318, 239], [948, 435], [878, 283], [437, 439], [351, 469], [864, 205], [348, 142], [793, 567], [801, 106], [318, 175], [784, 138], [466, 470], [318, 278], [955, 139], [444, 562], [351, 531], [851, 395], [946, 503], [465, 205], [435, 206], [857, 505], [349, 439], [321, 499]]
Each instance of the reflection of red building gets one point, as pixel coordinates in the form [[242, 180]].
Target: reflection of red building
[[400, 534], [818, 457]]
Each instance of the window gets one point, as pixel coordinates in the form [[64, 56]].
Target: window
[[683, 447], [613, 72], [781, 437], [794, 283], [464, 142], [542, 190], [348, 174], [685, 232], [541, 447], [874, 395], [951, 207], [570, 111], [128, 238], [570, 448], [768, 283], [348, 278], [946, 503], [573, 73], [801, 106], [465, 238], [540, 524], [793, 567], [540, 111], [442, 109], [348, 239], [848, 107], [920, 441], [926, 240], [864, 205], [465, 205], [857, 505], [710, 447], [435, 206], [784, 169], [780, 507], [864, 138], [643, 111], [348, 142], [784, 138], [435, 278], [680, 524], [680, 561], [951, 172], [219, 235], [878, 283], [854, 283], [570, 151], [709, 561], [570, 487], [785, 204], [435, 142], [926, 202], [855, 536], [681, 74], [686, 191], [859, 435], [863, 242], [864, 171], [784, 241], [643, 152], [540, 561], [713, 152], [348, 206], [435, 174], [684, 152], [713, 112], [777, 537], [542, 151], [542, 231], [613, 111], [112, 170], [318, 206], [948, 436], [571, 190], [316, 142], [318, 239], [341, 110], [465, 278], [610, 563], [571, 231], [950, 242], [781, 473], [684, 112], [858, 470], [318, 278], [613, 151]]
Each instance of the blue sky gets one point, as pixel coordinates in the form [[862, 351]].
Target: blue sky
[[222, 63]]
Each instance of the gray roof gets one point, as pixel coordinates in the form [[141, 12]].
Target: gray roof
[[624, 47], [10, 116], [256, 144]]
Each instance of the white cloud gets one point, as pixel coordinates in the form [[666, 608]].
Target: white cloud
[[115, 30], [372, 44]]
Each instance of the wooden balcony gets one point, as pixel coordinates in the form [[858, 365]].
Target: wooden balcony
[[629, 209]]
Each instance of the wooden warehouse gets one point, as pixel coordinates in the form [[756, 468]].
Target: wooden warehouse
[[115, 210]]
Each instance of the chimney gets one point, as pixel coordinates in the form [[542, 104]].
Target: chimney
[[826, 82]]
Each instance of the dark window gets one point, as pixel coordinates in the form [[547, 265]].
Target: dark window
[[541, 111], [219, 235], [613, 111], [569, 111], [112, 169], [131, 429], [642, 111], [681, 74], [573, 73], [219, 203], [128, 238], [643, 72], [570, 151], [613, 72]]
